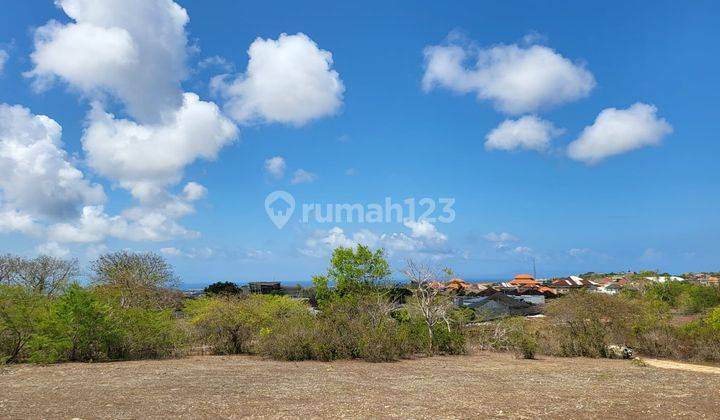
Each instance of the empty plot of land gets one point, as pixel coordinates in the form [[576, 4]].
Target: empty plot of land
[[482, 385]]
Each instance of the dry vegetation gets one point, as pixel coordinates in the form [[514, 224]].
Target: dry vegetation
[[481, 385]]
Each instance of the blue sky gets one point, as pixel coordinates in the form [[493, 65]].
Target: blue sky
[[161, 171]]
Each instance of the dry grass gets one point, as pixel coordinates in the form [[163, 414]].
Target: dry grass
[[482, 385]]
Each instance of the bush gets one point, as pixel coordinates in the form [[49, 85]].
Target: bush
[[231, 325], [146, 334], [78, 327], [584, 324], [512, 334], [689, 298], [21, 310], [223, 288]]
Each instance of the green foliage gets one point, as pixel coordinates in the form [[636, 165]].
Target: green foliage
[[585, 323], [230, 325], [21, 310], [78, 327], [147, 334], [357, 270], [687, 297], [223, 288]]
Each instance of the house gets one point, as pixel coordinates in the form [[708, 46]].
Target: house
[[612, 288], [524, 280], [264, 287], [457, 285], [500, 305], [564, 285]]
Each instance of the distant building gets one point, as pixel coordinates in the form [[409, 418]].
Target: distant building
[[193, 293], [525, 280], [264, 287], [564, 285], [500, 305]]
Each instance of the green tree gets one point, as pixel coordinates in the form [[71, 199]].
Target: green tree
[[353, 271], [20, 312], [223, 288], [79, 327]]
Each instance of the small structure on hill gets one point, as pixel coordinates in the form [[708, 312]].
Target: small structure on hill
[[264, 287], [566, 284], [525, 280], [500, 305]]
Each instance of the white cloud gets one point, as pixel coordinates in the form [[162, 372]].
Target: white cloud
[[500, 237], [135, 50], [194, 191], [522, 250], [425, 230], [301, 176], [528, 132], [171, 251], [288, 80], [36, 177], [275, 166], [146, 158], [52, 249], [3, 59], [217, 62], [424, 240], [14, 221], [516, 79], [351, 172], [135, 224], [617, 131]]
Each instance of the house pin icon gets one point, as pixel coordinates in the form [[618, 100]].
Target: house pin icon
[[279, 206]]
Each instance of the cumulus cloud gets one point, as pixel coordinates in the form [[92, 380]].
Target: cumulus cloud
[[36, 177], [275, 166], [616, 131], [425, 230], [288, 80], [144, 158], [134, 224], [528, 133], [194, 191], [517, 79], [424, 239], [15, 221], [135, 50], [301, 176]]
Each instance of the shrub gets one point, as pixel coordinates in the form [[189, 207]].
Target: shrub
[[584, 323], [147, 334], [223, 288], [231, 325], [78, 327], [21, 310], [513, 334]]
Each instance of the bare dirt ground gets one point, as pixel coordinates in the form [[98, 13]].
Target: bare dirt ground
[[476, 386]]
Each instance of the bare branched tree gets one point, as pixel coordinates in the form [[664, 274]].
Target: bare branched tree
[[427, 301], [138, 278], [44, 274]]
